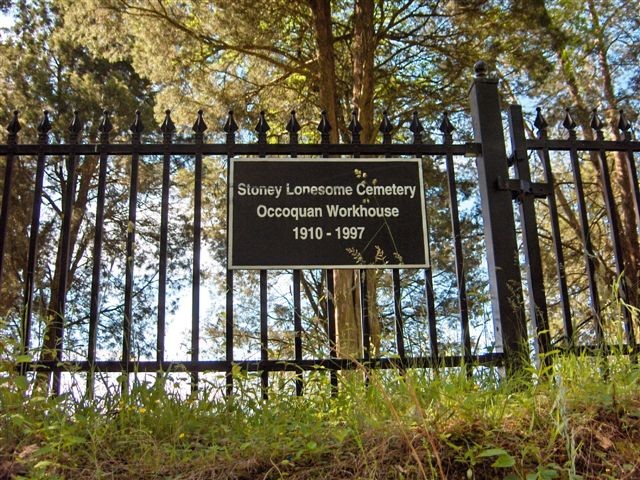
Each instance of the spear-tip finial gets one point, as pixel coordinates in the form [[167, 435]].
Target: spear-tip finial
[[416, 125], [262, 126], [540, 123], [45, 124], [14, 125], [386, 127], [199, 126], [76, 125], [416, 128], [230, 125], [137, 126], [623, 123], [568, 121], [167, 127], [446, 127], [324, 127], [292, 125], [105, 124], [354, 125], [596, 121]]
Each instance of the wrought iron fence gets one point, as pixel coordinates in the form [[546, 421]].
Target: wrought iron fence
[[506, 240]]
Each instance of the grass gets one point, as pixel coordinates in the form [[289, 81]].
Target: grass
[[569, 422]]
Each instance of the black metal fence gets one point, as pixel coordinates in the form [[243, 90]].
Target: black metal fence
[[509, 236]]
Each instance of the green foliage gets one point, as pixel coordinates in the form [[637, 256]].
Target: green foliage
[[573, 422]]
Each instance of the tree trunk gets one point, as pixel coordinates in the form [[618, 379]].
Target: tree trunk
[[347, 293], [321, 11], [364, 46]]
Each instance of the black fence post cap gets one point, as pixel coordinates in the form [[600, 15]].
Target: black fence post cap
[[480, 69]]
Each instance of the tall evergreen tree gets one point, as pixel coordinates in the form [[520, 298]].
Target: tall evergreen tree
[[43, 66]]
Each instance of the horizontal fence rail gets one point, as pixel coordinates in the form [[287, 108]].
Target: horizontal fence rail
[[545, 203]]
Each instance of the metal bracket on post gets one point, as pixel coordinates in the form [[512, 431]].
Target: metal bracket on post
[[521, 188], [503, 264]]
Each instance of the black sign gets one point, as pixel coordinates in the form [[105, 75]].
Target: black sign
[[326, 213]]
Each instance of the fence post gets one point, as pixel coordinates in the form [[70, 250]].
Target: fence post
[[505, 282]]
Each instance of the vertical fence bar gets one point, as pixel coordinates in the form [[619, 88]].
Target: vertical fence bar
[[230, 128], [541, 124], [262, 128], [366, 327], [229, 334], [498, 220], [324, 127], [264, 334], [386, 128], [30, 274], [94, 310], [293, 127], [136, 130], [399, 321], [537, 297], [417, 129], [431, 311], [331, 327], [13, 128], [614, 228], [355, 128], [67, 216], [167, 128], [447, 130], [588, 252], [297, 328], [199, 128]]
